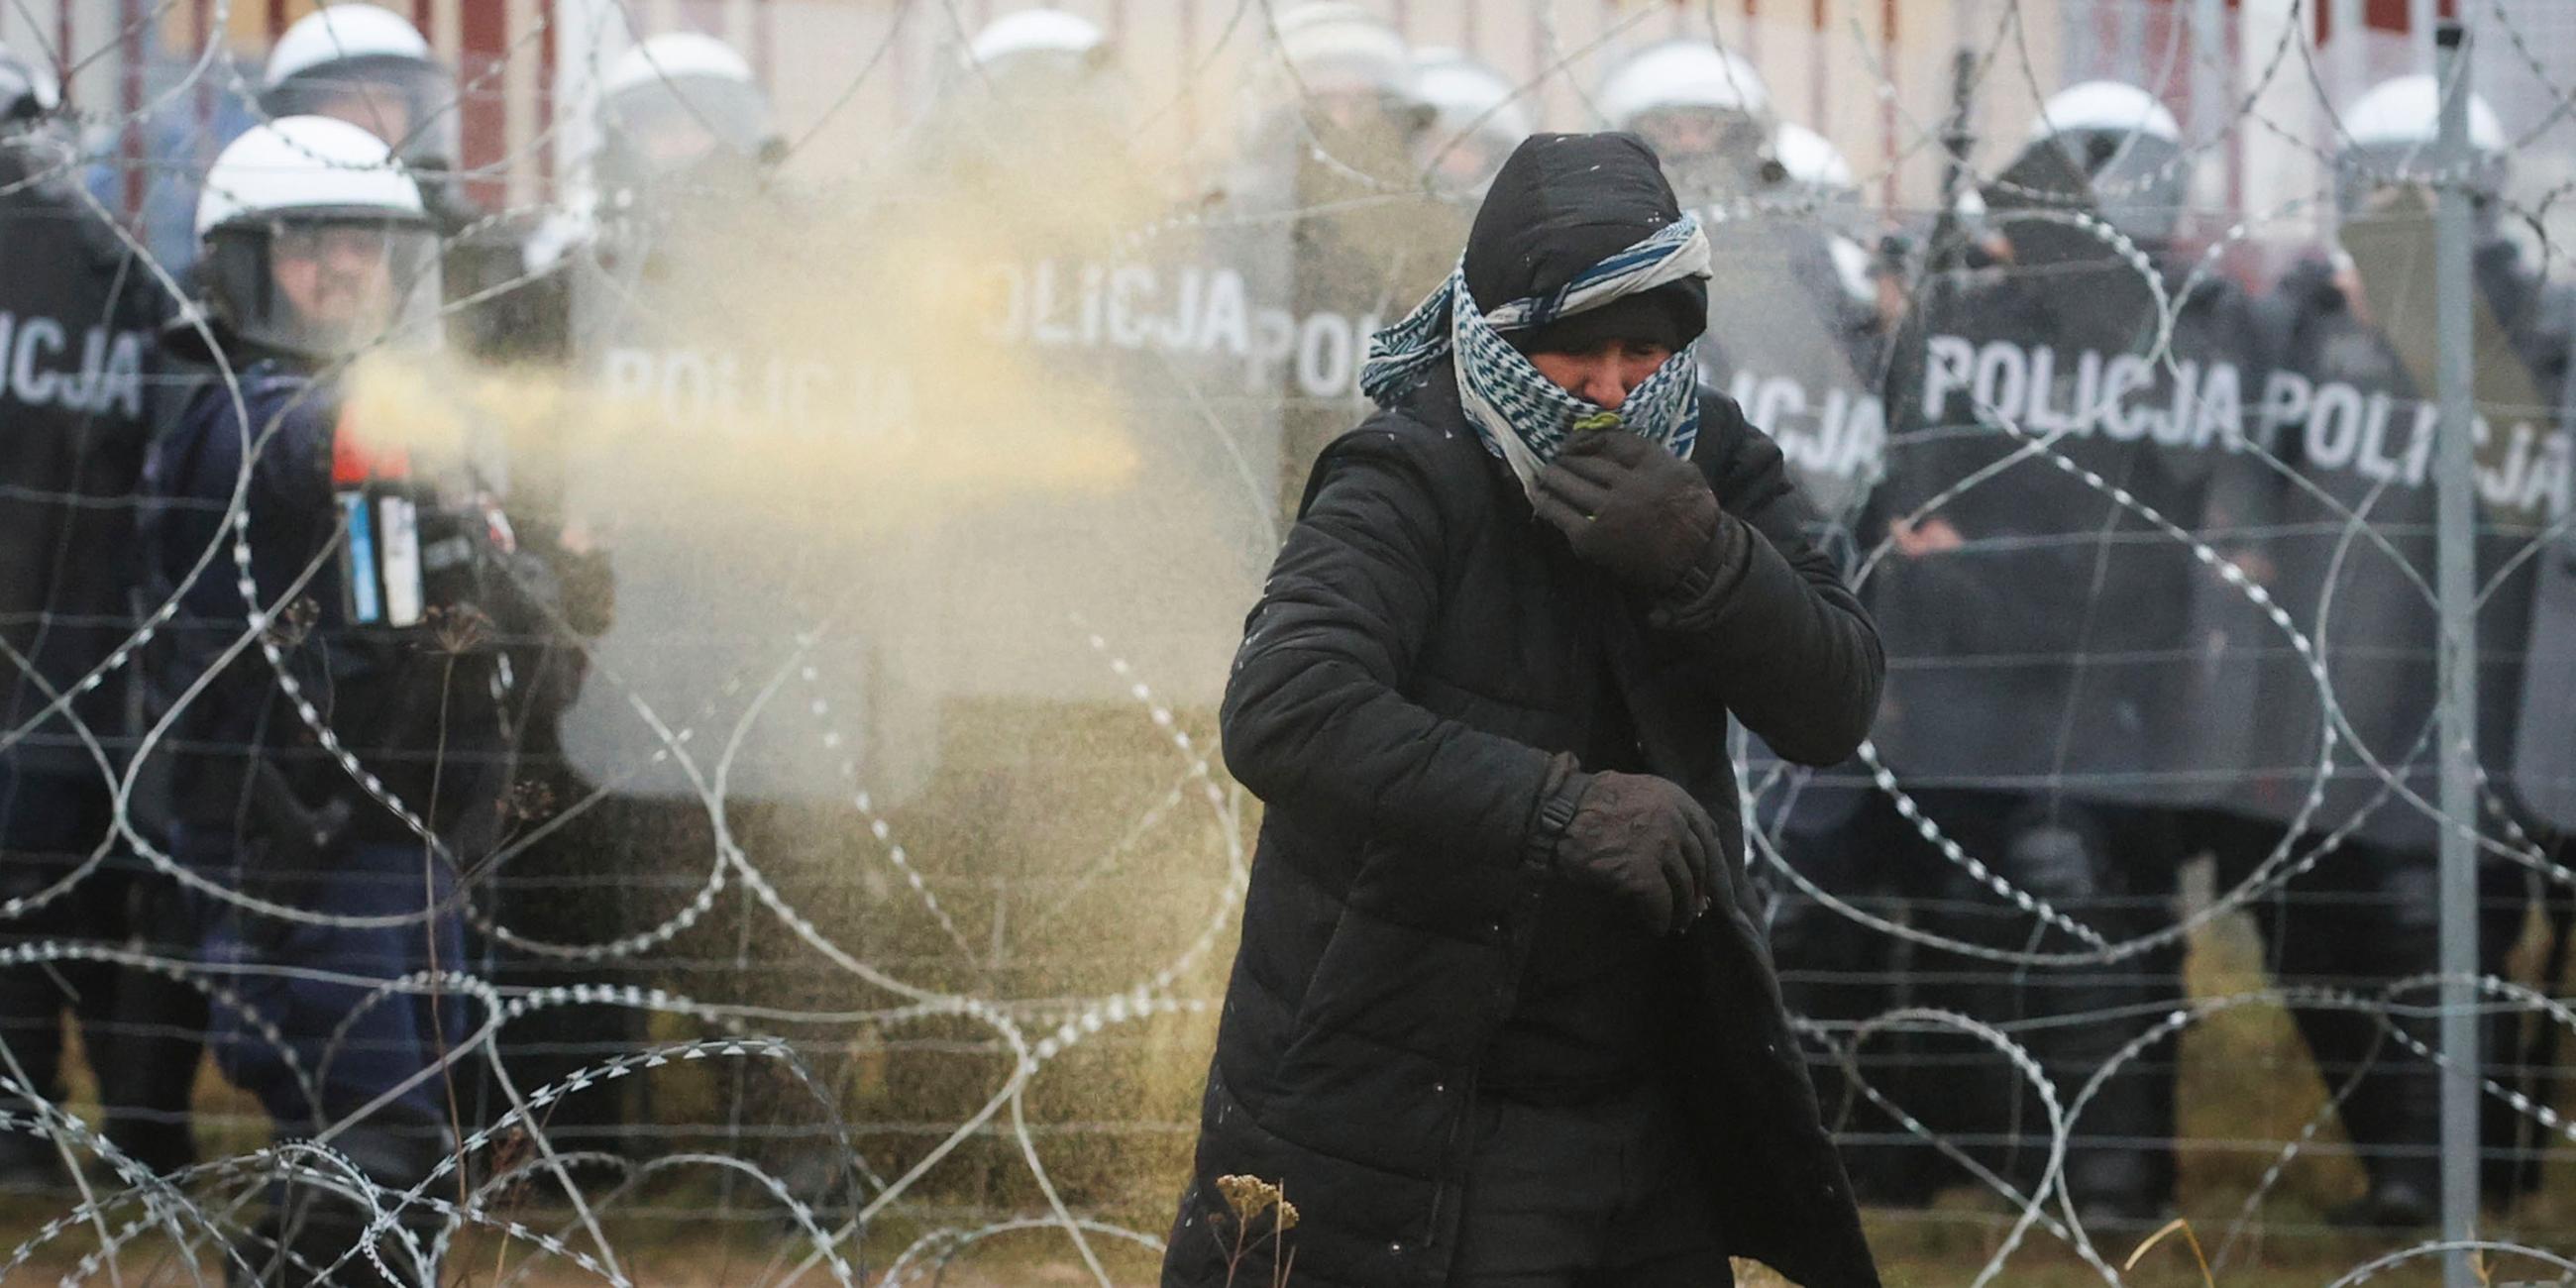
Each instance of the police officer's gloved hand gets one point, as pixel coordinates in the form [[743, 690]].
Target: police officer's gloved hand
[[1629, 506], [1644, 840]]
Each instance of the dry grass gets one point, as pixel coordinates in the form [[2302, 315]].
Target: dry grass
[[2245, 1082]]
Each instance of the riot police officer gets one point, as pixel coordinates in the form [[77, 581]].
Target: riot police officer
[[1790, 339], [372, 68], [1815, 177], [1332, 163], [681, 113], [338, 714], [2347, 521], [76, 313], [1477, 118], [2042, 719], [1704, 110], [1035, 100]]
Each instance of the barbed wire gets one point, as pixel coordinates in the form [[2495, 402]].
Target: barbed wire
[[889, 921]]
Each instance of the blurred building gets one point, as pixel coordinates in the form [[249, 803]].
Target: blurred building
[[1874, 76]]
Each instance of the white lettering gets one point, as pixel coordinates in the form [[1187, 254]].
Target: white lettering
[[2222, 409], [2002, 381], [35, 388], [2334, 426], [1126, 330], [1324, 355], [1947, 360], [1044, 327], [2286, 395], [1227, 323]]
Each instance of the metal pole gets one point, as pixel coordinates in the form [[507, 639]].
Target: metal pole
[[2208, 65], [2455, 529]]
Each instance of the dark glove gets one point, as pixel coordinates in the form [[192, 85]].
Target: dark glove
[[1629, 506], [1644, 840]]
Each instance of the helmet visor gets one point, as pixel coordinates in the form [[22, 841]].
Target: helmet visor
[[672, 125], [1705, 151], [327, 286], [408, 103], [2141, 181]]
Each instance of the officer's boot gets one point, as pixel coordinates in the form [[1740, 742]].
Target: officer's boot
[[2393, 1113], [2112, 1171], [147, 1046], [1832, 968], [31, 1025]]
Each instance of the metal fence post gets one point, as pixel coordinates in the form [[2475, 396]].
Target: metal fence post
[[2456, 539]]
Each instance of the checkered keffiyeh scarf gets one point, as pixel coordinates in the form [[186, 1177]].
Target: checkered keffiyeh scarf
[[1522, 415]]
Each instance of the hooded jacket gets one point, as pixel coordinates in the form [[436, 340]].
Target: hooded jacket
[[1424, 660]]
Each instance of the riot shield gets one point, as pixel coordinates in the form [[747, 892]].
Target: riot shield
[[2352, 557], [2043, 498], [2544, 752], [1364, 242], [1790, 342], [1792, 345], [78, 321], [1055, 450], [736, 655]]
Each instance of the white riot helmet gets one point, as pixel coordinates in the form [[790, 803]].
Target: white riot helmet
[[1038, 61], [1038, 37], [314, 240], [2128, 146], [682, 103], [1811, 161], [1813, 180], [28, 92], [1339, 63], [1336, 48], [35, 139], [2392, 135], [369, 67], [1704, 110], [1476, 119]]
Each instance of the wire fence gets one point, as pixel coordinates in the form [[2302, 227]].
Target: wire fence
[[728, 746]]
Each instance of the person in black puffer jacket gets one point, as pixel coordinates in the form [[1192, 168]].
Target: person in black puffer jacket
[[1501, 1013]]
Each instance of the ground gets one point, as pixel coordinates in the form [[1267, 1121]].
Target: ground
[[2246, 1089]]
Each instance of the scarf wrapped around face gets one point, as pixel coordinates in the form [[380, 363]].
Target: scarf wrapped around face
[[1522, 416]]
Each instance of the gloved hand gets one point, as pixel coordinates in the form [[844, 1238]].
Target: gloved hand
[[1629, 506], [1644, 840]]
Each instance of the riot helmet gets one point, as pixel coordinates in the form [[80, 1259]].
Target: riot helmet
[[315, 242], [2129, 148], [1039, 87], [1025, 54], [28, 93], [1810, 172], [1476, 120], [1812, 164], [1704, 110], [371, 68], [682, 108], [2392, 137], [1347, 66], [30, 124]]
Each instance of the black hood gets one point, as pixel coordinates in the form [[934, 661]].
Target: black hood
[[1565, 202]]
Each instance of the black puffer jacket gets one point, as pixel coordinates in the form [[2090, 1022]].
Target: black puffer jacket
[[1423, 653]]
